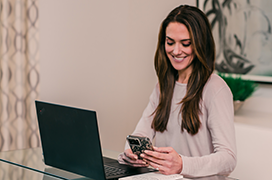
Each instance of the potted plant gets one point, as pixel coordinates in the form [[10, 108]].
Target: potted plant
[[241, 89]]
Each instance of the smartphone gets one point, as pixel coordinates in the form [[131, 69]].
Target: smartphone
[[138, 144]]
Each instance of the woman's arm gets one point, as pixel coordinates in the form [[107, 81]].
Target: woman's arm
[[143, 128], [221, 126]]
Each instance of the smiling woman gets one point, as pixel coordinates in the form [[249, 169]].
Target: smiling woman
[[190, 112]]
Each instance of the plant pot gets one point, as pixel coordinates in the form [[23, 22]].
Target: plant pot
[[237, 105]]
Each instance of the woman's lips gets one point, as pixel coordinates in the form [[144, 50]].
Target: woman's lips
[[178, 59]]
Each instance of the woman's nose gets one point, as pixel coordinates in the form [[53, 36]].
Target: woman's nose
[[177, 49]]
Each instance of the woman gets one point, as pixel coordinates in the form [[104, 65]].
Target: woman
[[190, 113]]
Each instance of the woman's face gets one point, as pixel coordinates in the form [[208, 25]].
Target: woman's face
[[178, 47]]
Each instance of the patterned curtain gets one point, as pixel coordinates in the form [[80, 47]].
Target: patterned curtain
[[19, 74]]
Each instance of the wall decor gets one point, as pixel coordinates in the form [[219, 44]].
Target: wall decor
[[243, 37]]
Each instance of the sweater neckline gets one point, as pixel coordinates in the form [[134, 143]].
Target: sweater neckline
[[181, 84]]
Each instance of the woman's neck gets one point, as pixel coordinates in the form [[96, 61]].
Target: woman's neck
[[184, 75]]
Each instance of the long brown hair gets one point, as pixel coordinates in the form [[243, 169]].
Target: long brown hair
[[202, 67]]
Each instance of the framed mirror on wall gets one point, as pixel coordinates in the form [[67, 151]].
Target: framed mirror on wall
[[243, 36]]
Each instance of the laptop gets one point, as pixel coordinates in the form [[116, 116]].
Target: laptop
[[70, 141]]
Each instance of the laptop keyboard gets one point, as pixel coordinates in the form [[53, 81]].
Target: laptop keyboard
[[113, 171]]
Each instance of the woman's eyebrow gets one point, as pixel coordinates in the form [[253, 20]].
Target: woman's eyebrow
[[169, 38], [180, 40]]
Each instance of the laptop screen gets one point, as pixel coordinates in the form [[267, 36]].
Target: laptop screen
[[70, 139]]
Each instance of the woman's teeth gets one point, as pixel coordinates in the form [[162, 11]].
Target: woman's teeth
[[178, 59]]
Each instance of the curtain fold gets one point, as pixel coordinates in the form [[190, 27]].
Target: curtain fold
[[19, 74]]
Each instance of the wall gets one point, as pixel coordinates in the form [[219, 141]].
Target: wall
[[99, 55]]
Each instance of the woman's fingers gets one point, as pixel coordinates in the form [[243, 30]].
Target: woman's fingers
[[130, 155], [155, 155], [154, 159], [165, 159], [132, 159], [163, 149]]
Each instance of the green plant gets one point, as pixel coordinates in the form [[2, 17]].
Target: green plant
[[240, 88]]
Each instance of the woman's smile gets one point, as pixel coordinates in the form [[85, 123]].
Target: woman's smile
[[178, 59]]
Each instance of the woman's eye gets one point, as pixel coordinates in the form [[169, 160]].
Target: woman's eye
[[186, 45], [170, 43]]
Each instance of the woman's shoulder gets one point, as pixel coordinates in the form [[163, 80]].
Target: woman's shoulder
[[215, 84], [155, 93], [156, 89]]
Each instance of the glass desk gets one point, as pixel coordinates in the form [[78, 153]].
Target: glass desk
[[31, 161], [8, 172]]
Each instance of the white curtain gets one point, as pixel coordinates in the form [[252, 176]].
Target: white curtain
[[19, 74]]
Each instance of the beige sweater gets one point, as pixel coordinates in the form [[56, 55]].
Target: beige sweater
[[213, 149]]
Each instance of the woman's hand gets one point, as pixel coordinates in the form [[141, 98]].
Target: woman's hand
[[132, 159], [165, 159]]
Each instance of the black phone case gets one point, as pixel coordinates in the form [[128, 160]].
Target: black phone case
[[145, 144]]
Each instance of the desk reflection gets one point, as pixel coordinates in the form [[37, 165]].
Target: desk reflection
[[13, 172], [33, 159]]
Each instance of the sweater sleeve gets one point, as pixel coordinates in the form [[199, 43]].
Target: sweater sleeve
[[143, 127], [221, 126]]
